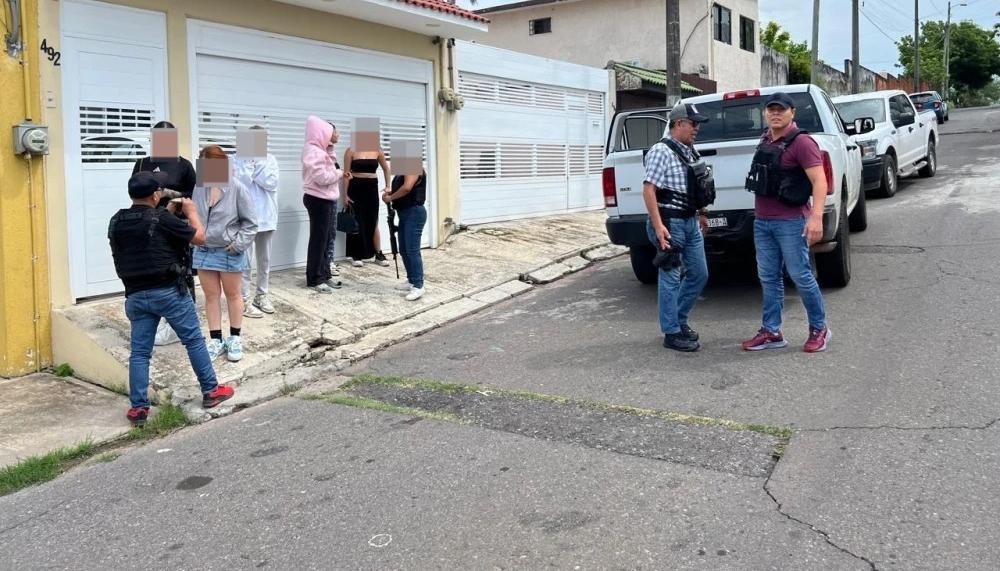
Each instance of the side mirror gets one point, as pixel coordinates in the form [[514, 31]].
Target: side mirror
[[863, 125]]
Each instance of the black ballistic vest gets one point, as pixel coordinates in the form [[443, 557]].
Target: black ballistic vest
[[700, 181], [767, 178], [140, 248]]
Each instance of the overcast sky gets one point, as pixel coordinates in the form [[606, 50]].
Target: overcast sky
[[882, 23]]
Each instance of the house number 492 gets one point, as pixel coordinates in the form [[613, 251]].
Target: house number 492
[[50, 51]]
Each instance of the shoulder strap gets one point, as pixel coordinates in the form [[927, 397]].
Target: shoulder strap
[[676, 148]]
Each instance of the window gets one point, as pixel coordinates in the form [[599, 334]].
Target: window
[[851, 110], [641, 132], [540, 26], [723, 20], [743, 118], [747, 34]]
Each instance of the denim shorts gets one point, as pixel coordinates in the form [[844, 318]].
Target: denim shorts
[[219, 260]]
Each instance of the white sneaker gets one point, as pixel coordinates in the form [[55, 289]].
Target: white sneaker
[[334, 270], [357, 263], [415, 294], [215, 348], [263, 303], [250, 310], [165, 334], [334, 283], [234, 348], [321, 288], [382, 261], [404, 287]]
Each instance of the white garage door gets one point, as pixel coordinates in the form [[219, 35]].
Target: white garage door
[[114, 90], [243, 77], [531, 136]]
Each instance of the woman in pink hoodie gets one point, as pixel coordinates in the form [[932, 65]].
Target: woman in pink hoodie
[[321, 176]]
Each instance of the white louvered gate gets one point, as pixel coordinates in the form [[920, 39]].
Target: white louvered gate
[[531, 135], [253, 88], [114, 90]]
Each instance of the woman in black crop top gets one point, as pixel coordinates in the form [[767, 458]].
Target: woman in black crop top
[[407, 197], [363, 193]]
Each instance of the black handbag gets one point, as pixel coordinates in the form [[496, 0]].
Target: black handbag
[[346, 221]]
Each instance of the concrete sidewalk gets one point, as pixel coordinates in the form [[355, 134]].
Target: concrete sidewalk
[[469, 272]]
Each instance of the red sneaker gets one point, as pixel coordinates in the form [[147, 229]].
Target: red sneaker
[[215, 396], [764, 339], [137, 415], [817, 340]]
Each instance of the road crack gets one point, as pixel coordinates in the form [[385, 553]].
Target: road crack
[[986, 426], [824, 534]]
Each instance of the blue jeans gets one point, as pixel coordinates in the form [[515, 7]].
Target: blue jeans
[[144, 309], [679, 290], [411, 226], [780, 241]]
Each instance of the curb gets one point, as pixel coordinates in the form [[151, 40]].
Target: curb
[[324, 360]]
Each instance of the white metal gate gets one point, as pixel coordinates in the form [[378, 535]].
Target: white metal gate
[[531, 136], [114, 90]]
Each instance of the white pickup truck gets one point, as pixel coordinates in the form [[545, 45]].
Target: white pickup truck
[[904, 140], [728, 142]]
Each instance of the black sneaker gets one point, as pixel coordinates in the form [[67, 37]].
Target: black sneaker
[[679, 342], [689, 333]]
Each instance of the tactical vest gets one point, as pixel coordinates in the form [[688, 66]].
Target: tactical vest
[[767, 177], [139, 247], [700, 180]]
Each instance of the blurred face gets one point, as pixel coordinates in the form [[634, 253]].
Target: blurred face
[[685, 131], [334, 137], [779, 117]]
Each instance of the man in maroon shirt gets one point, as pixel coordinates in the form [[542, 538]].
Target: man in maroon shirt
[[783, 232]]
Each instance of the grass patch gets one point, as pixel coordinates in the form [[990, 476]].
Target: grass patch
[[40, 469], [168, 418], [63, 370], [108, 457], [369, 379], [288, 390], [372, 404]]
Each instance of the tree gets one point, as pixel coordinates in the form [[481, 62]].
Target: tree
[[799, 56], [974, 55]]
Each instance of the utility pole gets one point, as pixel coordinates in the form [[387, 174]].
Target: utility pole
[[673, 61], [855, 49], [916, 46], [947, 47], [814, 58]]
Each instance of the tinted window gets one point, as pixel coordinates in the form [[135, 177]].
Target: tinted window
[[851, 110], [641, 132], [744, 118], [923, 97]]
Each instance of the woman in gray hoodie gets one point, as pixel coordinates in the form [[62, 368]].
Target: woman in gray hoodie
[[230, 218]]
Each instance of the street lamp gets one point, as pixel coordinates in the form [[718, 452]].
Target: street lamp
[[947, 55]]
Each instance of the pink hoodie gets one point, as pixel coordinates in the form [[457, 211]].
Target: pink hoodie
[[320, 175]]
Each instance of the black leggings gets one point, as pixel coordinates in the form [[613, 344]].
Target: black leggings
[[317, 261]]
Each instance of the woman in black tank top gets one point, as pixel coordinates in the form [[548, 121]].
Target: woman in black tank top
[[407, 197], [363, 195]]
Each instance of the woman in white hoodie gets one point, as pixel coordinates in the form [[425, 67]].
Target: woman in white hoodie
[[321, 178]]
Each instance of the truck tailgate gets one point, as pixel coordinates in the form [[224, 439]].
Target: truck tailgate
[[730, 162]]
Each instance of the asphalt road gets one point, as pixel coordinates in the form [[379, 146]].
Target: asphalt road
[[891, 466]]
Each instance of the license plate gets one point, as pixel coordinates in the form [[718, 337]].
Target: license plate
[[718, 223]]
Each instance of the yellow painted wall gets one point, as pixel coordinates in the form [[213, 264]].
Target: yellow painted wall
[[256, 14], [25, 337]]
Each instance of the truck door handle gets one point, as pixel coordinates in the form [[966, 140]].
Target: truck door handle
[[921, 124], [851, 147], [911, 129]]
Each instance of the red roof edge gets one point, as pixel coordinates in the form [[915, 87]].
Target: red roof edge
[[441, 6]]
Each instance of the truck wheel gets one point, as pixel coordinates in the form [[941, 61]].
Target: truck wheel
[[931, 167], [642, 263], [859, 218], [833, 269], [890, 177]]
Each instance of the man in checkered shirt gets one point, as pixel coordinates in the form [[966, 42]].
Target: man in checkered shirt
[[676, 226]]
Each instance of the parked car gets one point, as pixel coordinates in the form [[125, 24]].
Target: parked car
[[931, 101], [728, 142], [904, 140]]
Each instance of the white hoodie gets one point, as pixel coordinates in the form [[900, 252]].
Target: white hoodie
[[261, 178]]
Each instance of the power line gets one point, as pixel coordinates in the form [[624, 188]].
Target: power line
[[877, 27]]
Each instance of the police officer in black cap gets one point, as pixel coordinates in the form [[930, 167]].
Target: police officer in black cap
[[677, 189], [149, 245]]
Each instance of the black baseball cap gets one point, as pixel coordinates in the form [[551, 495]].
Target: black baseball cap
[[687, 111], [145, 183], [780, 98]]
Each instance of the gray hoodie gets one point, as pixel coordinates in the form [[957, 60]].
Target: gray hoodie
[[233, 220]]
